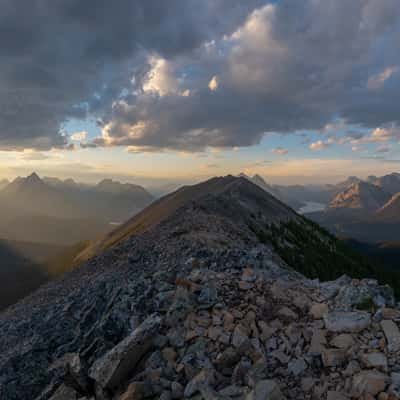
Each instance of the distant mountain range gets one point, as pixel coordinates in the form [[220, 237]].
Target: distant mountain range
[[360, 196], [34, 209], [296, 196], [365, 210], [43, 222], [74, 218]]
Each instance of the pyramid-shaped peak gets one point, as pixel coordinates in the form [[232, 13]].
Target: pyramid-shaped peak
[[33, 177]]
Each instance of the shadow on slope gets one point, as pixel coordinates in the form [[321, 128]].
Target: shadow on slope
[[19, 275], [56, 231], [357, 226]]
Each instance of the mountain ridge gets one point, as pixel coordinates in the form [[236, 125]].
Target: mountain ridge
[[360, 196], [390, 211], [55, 200], [216, 255], [166, 206]]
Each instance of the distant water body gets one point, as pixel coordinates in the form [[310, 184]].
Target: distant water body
[[311, 206]]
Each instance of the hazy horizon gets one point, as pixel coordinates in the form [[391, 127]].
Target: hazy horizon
[[160, 182]]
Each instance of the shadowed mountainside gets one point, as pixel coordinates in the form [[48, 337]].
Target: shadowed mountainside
[[390, 211], [20, 274]]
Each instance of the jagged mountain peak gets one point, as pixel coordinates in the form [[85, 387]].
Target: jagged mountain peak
[[31, 183], [361, 196], [33, 177], [112, 186], [390, 182], [258, 178]]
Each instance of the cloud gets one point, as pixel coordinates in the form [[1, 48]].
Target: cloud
[[189, 75], [357, 148], [74, 59], [89, 145], [280, 151], [286, 68], [160, 79], [383, 149], [213, 84], [379, 135], [33, 156], [79, 136], [318, 145], [377, 81]]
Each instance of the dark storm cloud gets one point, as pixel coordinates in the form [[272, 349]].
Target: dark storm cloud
[[63, 59], [211, 73], [290, 66]]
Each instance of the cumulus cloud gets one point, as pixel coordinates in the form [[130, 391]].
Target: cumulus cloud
[[186, 76], [318, 145], [74, 59], [213, 84], [377, 81], [379, 135], [79, 136], [285, 68]]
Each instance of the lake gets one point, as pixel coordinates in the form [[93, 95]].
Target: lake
[[311, 206]]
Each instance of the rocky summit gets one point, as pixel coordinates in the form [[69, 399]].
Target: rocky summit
[[202, 306]]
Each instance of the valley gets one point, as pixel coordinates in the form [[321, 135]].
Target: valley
[[45, 222]]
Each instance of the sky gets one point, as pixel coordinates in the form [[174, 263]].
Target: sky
[[152, 92]]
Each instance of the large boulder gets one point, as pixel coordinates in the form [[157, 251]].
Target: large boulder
[[266, 390], [392, 334], [352, 321], [374, 359], [115, 366], [369, 382], [65, 393], [364, 292]]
